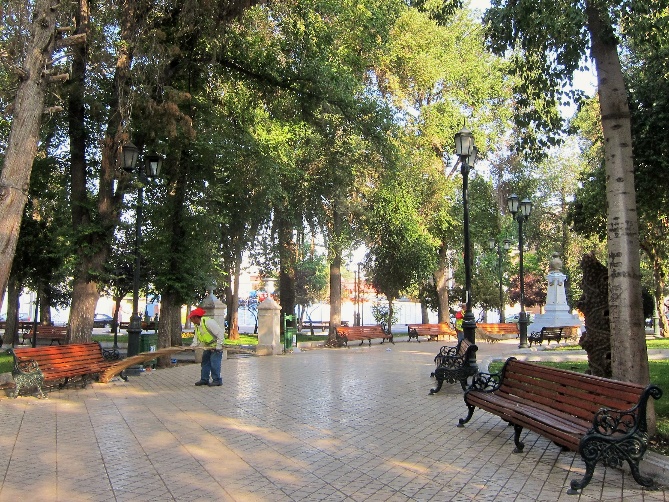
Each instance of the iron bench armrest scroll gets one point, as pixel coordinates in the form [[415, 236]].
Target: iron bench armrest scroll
[[482, 382], [26, 374], [445, 352], [617, 436], [486, 382]]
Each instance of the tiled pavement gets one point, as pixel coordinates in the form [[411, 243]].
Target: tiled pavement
[[321, 425]]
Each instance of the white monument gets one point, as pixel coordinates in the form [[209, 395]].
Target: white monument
[[556, 312]]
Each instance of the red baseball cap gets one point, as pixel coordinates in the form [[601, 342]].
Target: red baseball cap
[[198, 312]]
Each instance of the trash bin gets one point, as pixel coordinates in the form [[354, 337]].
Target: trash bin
[[288, 335], [148, 342]]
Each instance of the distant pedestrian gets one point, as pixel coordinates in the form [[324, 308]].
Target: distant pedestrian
[[459, 319], [210, 335]]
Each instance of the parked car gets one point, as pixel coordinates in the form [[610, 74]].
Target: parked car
[[102, 321], [516, 317], [22, 317]]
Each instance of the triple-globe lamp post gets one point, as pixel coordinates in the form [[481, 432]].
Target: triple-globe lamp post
[[151, 170], [521, 210], [467, 152]]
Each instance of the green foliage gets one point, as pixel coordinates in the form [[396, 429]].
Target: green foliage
[[381, 312], [311, 278], [401, 252], [548, 40]]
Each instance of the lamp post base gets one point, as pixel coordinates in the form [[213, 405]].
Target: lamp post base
[[522, 325], [134, 332], [469, 332]]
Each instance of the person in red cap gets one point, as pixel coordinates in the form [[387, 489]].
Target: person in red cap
[[210, 335]]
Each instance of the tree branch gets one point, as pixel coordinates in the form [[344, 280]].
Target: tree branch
[[70, 41]]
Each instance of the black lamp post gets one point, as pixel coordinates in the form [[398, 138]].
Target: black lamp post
[[501, 248], [151, 170], [521, 211], [466, 151]]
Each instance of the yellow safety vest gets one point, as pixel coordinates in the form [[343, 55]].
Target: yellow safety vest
[[203, 334], [458, 323]]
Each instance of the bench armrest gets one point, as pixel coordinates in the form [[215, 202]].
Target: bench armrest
[[486, 382], [451, 362], [610, 422], [26, 368], [445, 353]]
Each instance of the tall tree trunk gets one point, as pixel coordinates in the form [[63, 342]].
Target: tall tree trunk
[[441, 283], [24, 134], [391, 310], [287, 262], [234, 299], [629, 358], [424, 314], [658, 280], [594, 303], [13, 296], [44, 305], [85, 293], [97, 244], [169, 328], [335, 252]]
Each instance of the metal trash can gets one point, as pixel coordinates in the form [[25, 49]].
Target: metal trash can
[[148, 342], [288, 335]]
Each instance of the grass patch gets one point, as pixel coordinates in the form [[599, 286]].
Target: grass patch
[[6, 362], [658, 343], [655, 343]]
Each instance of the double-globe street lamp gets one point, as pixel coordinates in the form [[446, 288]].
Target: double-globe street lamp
[[467, 152], [151, 170], [501, 248], [521, 211]]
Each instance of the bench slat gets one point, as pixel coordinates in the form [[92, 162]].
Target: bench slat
[[620, 393]]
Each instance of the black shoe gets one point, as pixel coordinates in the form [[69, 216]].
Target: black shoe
[[201, 382], [215, 384]]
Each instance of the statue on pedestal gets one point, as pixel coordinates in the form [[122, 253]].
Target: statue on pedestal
[[557, 312]]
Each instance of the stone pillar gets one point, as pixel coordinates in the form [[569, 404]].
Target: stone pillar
[[215, 308], [269, 328]]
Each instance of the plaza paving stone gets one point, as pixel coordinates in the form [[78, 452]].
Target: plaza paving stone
[[351, 424]]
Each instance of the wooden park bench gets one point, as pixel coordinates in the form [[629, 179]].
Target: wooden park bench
[[347, 334], [601, 419], [146, 325], [47, 332], [441, 331], [312, 325], [24, 328], [548, 334], [34, 367], [452, 364], [494, 332]]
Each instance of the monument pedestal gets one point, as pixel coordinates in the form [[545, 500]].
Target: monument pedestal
[[557, 311]]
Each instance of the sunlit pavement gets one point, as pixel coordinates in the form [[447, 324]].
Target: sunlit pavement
[[323, 425]]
